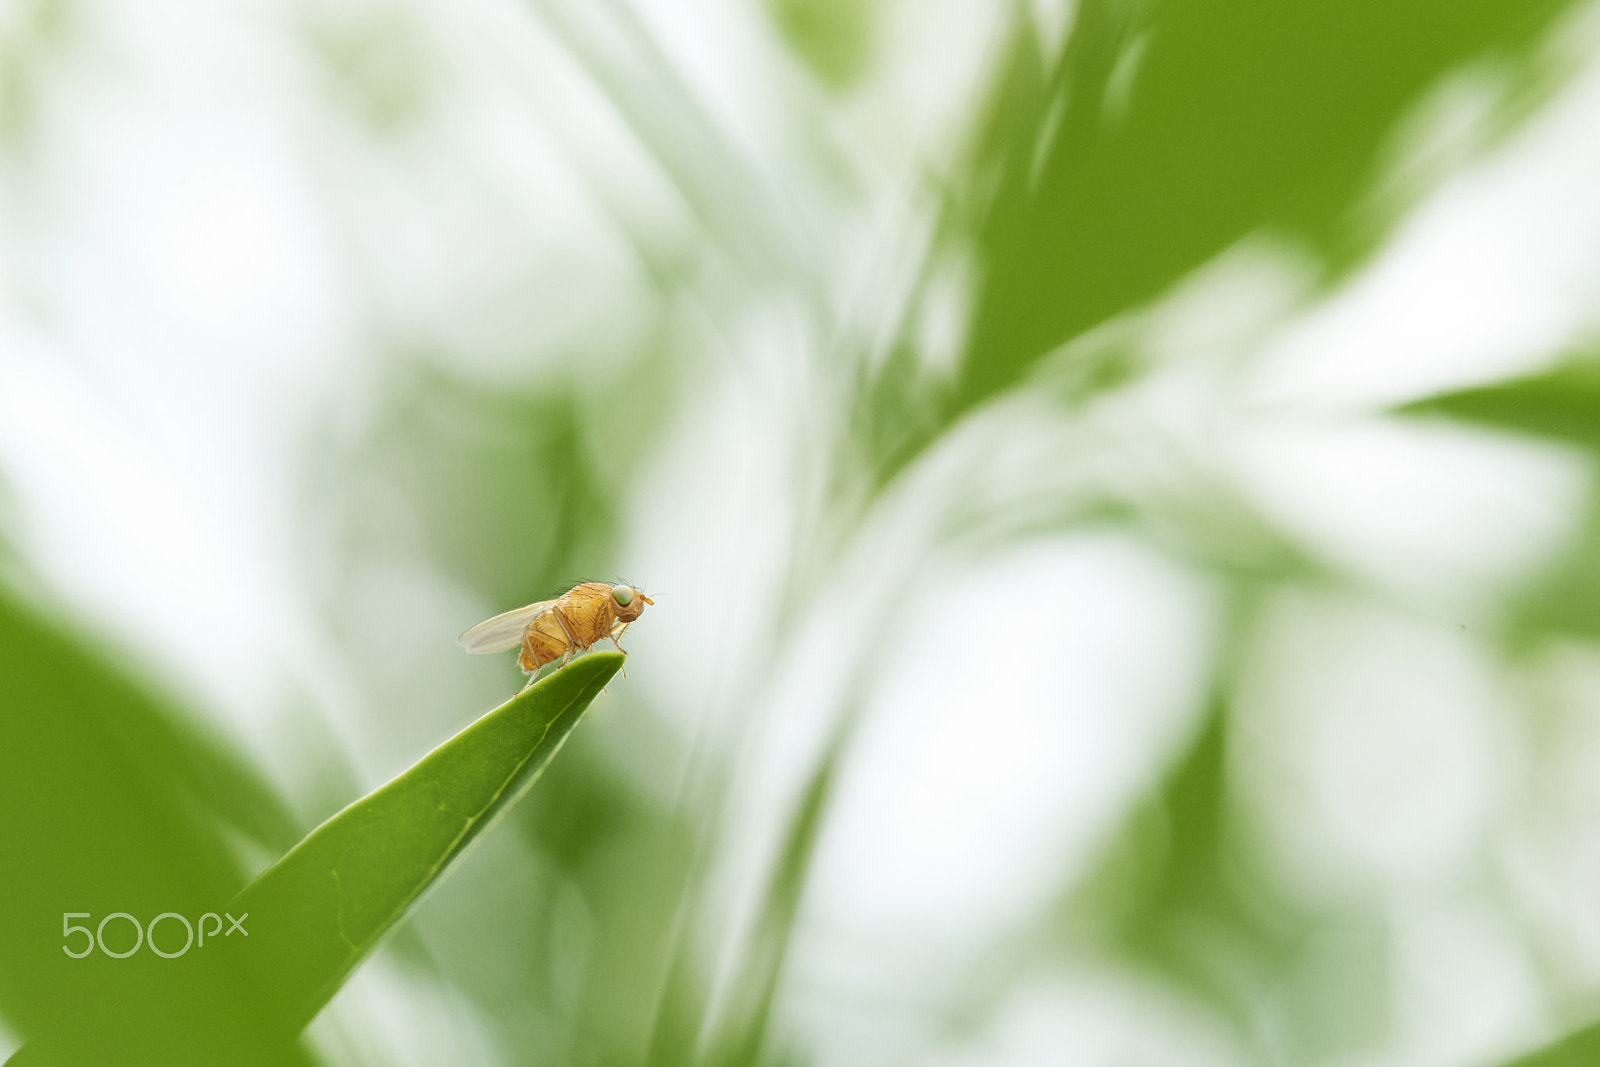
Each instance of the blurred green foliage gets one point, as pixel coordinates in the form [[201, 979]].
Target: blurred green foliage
[[1166, 133], [1574, 1050], [377, 60], [524, 486], [834, 37], [1561, 406], [37, 31]]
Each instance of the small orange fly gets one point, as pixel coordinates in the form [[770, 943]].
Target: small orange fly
[[555, 629]]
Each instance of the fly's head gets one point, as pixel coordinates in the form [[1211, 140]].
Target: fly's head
[[628, 602]]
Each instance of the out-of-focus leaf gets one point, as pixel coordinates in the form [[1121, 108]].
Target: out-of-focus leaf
[[687, 140], [1173, 882], [1182, 126], [376, 62], [743, 1040], [34, 30], [110, 803], [834, 37], [317, 912], [522, 487], [1566, 597], [1169, 131], [629, 856], [1563, 405], [1581, 1048], [1176, 895]]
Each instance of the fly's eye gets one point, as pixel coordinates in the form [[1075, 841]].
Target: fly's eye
[[622, 594]]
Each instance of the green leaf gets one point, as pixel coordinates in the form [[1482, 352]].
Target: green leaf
[[322, 908], [1172, 129], [112, 800], [1563, 405], [1578, 1049], [745, 1034], [313, 916], [833, 37], [1168, 131]]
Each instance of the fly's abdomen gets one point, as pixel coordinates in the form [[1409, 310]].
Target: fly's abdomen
[[545, 641]]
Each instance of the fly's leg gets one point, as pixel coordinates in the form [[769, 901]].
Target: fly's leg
[[528, 656], [616, 639], [533, 676], [572, 642], [616, 636]]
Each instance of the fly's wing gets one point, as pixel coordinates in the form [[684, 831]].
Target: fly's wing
[[503, 631]]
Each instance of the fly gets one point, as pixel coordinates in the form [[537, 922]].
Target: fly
[[559, 628]]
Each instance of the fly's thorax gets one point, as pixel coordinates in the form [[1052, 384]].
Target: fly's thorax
[[588, 612]]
